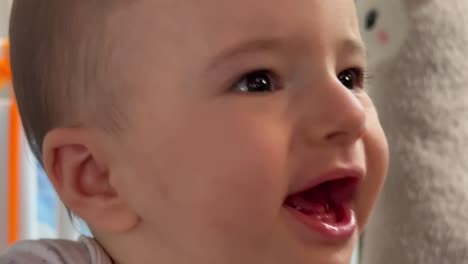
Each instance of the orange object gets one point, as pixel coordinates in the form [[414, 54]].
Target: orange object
[[14, 153], [5, 70]]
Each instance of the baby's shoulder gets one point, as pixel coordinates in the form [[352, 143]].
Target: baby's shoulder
[[84, 251]]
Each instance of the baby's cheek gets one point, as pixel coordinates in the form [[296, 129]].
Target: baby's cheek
[[252, 183], [255, 180], [376, 149]]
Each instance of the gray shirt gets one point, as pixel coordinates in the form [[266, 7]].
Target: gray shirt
[[84, 251]]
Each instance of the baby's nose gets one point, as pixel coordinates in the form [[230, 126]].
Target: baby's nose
[[338, 116], [346, 124]]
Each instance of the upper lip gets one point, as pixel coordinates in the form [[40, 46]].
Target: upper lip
[[355, 172]]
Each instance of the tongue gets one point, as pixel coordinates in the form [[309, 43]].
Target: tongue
[[324, 202]]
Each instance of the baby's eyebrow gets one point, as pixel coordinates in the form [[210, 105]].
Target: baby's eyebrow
[[251, 46], [352, 46], [347, 46]]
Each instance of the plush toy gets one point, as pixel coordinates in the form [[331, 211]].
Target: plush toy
[[418, 52]]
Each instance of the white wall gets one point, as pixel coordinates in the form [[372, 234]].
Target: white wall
[[5, 6], [4, 113], [355, 259]]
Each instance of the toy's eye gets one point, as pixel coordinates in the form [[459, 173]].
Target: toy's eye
[[371, 19]]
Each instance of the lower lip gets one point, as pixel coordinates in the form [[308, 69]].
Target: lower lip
[[330, 231]]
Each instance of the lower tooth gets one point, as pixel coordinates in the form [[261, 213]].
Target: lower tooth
[[329, 218]]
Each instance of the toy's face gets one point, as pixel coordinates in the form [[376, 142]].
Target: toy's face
[[384, 27]]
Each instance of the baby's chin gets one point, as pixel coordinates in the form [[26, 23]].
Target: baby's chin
[[330, 254]]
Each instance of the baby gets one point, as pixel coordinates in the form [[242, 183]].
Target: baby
[[199, 131]]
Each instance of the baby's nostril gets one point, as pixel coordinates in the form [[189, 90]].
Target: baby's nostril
[[371, 19]]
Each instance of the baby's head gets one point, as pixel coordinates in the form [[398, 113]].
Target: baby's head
[[203, 131]]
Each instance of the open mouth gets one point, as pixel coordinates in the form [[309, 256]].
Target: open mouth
[[326, 207]]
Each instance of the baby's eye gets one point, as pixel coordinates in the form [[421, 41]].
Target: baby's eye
[[351, 78], [260, 81]]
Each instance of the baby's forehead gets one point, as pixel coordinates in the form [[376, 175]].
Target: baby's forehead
[[206, 23]]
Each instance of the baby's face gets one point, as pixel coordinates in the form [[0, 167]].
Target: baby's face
[[238, 109]]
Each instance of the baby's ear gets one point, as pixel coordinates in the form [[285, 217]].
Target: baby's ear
[[77, 164]]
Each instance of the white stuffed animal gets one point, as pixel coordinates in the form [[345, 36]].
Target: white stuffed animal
[[418, 53]]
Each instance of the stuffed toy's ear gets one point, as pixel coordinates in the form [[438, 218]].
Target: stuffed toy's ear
[[384, 27]]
